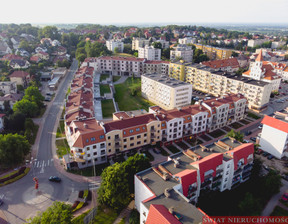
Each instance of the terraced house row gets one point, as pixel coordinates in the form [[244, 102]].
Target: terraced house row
[[166, 193], [92, 142], [219, 83]]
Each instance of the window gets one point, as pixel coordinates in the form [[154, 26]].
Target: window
[[138, 143], [145, 141], [109, 137], [125, 140], [88, 155], [138, 136], [92, 139], [94, 146], [163, 125], [102, 152], [143, 128], [226, 179], [131, 138], [95, 159], [101, 136], [109, 144], [88, 148], [145, 135], [87, 140], [137, 129], [124, 132], [132, 144], [131, 131], [125, 146], [95, 153]]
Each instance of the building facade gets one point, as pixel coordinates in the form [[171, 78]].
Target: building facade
[[112, 44], [183, 52], [139, 42], [165, 92], [173, 187], [187, 40], [215, 53], [150, 53]]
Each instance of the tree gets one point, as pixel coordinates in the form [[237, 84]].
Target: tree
[[235, 54], [272, 183], [250, 205], [15, 123], [58, 212], [166, 53], [26, 107], [13, 149], [157, 45], [116, 50], [235, 134], [33, 94], [49, 32], [114, 189]]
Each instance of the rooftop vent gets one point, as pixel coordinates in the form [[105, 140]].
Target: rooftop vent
[[166, 193], [85, 125]]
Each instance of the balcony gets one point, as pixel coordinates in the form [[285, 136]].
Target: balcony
[[152, 130], [217, 178], [220, 171], [205, 184], [215, 185], [238, 171], [117, 146], [117, 139]]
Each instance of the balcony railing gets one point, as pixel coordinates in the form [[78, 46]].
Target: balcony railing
[[206, 183], [217, 178]]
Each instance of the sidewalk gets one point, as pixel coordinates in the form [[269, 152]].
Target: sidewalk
[[125, 213]]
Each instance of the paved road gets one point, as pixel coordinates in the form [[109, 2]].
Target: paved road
[[21, 200]]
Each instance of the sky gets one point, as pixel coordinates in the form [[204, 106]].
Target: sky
[[147, 11]]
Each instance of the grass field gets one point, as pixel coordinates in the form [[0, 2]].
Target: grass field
[[216, 133], [172, 149], [252, 115], [236, 125], [104, 77], [104, 89], [116, 78], [125, 100], [123, 55], [278, 211], [60, 130], [105, 216], [62, 147], [107, 108]]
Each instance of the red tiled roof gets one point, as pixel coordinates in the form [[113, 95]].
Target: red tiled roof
[[10, 57], [120, 114], [259, 57], [34, 58], [230, 62], [21, 74], [241, 152], [275, 123], [160, 214]]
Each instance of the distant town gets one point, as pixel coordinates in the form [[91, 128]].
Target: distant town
[[142, 124]]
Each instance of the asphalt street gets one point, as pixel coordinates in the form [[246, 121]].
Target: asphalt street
[[21, 200]]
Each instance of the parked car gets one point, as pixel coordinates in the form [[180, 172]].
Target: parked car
[[49, 94], [253, 139], [270, 157], [248, 133], [157, 151], [265, 154], [55, 179], [47, 98], [266, 167], [284, 197], [260, 126], [245, 141], [259, 151]]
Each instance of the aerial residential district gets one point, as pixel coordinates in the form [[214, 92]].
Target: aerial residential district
[[131, 124]]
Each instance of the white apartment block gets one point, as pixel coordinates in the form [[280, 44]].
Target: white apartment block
[[182, 51], [254, 43], [274, 135], [276, 44], [150, 53], [165, 92], [219, 83], [187, 40], [165, 44], [112, 44], [139, 42], [220, 166]]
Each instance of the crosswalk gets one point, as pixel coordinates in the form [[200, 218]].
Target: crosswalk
[[39, 166], [1, 196], [94, 185]]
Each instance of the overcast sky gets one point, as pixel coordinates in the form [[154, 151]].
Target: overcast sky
[[147, 11]]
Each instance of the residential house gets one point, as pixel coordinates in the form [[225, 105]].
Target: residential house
[[20, 77], [4, 48], [229, 65], [11, 98], [8, 87], [19, 64]]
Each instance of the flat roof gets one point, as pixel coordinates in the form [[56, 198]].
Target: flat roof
[[163, 79]]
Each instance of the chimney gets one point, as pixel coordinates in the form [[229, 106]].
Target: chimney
[[121, 118], [171, 210], [163, 115], [166, 193], [85, 125]]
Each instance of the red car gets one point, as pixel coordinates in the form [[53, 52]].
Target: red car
[[284, 197]]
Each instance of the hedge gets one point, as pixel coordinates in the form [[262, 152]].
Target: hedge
[[21, 173]]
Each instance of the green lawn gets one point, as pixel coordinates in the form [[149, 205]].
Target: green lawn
[[62, 147], [125, 100], [105, 216], [107, 108], [123, 55], [172, 149], [163, 151], [104, 77], [116, 78], [149, 155], [88, 172], [104, 89], [245, 121], [252, 115], [217, 133], [278, 211], [60, 130]]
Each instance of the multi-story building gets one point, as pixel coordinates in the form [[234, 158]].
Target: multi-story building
[[182, 52], [170, 190], [112, 44], [264, 72], [254, 43], [274, 135], [129, 65], [92, 141], [229, 65], [165, 92], [139, 42], [187, 40], [276, 44], [165, 44], [219, 83], [8, 87], [215, 53], [150, 53]]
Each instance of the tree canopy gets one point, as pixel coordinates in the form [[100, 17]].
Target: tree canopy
[[26, 107], [235, 134], [33, 94], [13, 149], [58, 213]]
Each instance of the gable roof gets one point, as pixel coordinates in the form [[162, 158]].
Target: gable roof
[[259, 57], [160, 214], [230, 62], [19, 74]]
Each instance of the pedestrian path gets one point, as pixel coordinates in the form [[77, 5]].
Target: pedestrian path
[[125, 213]]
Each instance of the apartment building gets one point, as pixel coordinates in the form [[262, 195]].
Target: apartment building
[[183, 52], [187, 40], [257, 42], [8, 87], [165, 44], [165, 92], [219, 83], [171, 189], [274, 135], [229, 65], [139, 42], [92, 142], [215, 53], [149, 53], [276, 44], [263, 71], [128, 65], [112, 44]]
